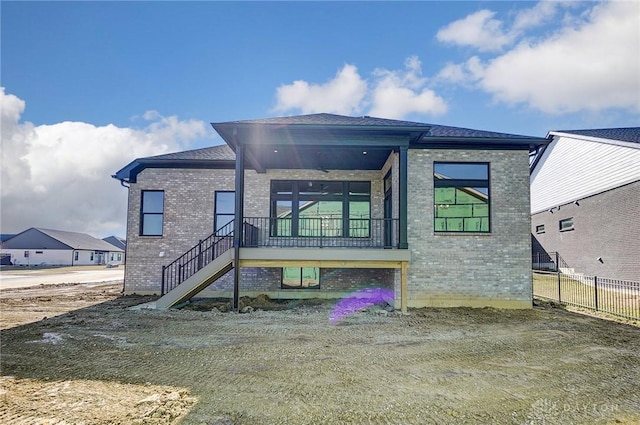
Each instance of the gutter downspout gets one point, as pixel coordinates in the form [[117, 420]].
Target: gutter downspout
[[122, 183]]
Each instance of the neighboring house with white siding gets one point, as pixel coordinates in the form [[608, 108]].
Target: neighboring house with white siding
[[118, 242], [325, 205], [585, 200], [39, 247]]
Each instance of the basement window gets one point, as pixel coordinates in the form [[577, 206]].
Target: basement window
[[300, 278]]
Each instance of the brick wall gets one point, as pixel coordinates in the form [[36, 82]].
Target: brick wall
[[606, 226], [189, 215], [446, 269], [471, 269]]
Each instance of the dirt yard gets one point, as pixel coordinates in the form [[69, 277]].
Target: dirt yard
[[75, 354]]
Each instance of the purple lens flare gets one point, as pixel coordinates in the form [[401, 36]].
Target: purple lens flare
[[358, 301]]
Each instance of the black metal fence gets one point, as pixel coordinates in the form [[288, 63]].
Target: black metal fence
[[616, 297]]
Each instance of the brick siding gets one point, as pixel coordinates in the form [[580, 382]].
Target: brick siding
[[471, 269], [445, 269]]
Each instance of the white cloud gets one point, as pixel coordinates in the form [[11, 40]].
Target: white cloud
[[59, 176], [399, 93], [387, 93], [465, 73], [477, 30], [588, 62], [341, 95], [591, 67], [539, 14]]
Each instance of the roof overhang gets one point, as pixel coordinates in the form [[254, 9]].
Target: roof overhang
[[343, 143], [130, 172], [614, 142], [323, 147], [507, 143]]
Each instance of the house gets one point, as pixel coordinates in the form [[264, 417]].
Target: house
[[5, 237], [37, 246], [118, 243], [585, 201], [324, 205], [5, 259]]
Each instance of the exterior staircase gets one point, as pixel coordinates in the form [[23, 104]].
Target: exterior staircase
[[198, 281], [197, 268]]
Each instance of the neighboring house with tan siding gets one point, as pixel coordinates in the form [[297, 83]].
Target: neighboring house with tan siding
[[324, 205], [585, 201]]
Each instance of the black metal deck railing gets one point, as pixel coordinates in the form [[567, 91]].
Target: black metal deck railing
[[279, 232], [204, 252], [319, 232]]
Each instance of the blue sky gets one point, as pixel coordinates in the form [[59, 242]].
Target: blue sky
[[88, 87]]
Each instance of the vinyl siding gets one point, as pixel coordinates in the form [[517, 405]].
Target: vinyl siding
[[572, 169]]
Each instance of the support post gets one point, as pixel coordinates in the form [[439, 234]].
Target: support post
[[237, 224], [163, 275], [403, 198], [403, 286]]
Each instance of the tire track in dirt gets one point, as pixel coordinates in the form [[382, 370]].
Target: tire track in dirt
[[453, 366]]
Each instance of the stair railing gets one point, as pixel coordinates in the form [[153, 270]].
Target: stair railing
[[203, 253]]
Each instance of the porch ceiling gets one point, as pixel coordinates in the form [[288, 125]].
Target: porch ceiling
[[323, 158], [332, 145]]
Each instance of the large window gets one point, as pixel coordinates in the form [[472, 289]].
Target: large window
[[461, 192], [152, 213], [224, 212], [320, 208], [300, 277]]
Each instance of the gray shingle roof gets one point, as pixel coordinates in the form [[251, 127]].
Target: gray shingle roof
[[330, 119], [79, 240], [623, 134], [332, 129], [116, 241], [221, 152], [446, 131], [432, 130]]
